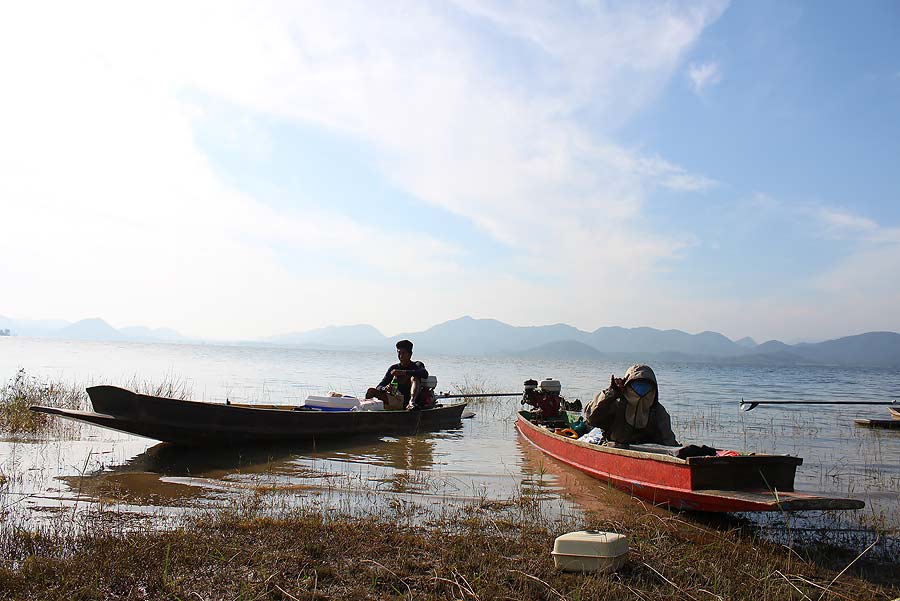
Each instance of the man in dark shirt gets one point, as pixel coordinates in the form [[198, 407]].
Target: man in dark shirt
[[407, 373]]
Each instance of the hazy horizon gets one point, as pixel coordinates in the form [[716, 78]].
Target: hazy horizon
[[227, 339], [235, 172]]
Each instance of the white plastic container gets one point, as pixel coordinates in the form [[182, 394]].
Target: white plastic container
[[590, 551], [550, 385], [331, 403]]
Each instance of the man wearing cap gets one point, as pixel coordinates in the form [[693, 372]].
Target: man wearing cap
[[407, 373], [629, 411]]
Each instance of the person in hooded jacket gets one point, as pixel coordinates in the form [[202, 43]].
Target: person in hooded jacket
[[629, 411]]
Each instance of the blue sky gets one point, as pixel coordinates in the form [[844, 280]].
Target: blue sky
[[245, 170]]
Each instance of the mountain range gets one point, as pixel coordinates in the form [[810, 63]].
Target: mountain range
[[469, 336]]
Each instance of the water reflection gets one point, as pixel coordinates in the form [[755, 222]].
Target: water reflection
[[167, 473]]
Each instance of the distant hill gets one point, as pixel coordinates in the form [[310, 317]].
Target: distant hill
[[356, 336], [746, 342], [90, 329], [470, 336], [871, 348], [628, 340], [32, 327], [151, 334], [87, 329], [564, 349]]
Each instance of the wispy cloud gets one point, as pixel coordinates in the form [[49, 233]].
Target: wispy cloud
[[841, 222], [704, 75], [483, 122]]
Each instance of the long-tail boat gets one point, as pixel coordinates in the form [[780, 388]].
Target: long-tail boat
[[717, 483], [712, 483], [202, 423], [885, 424]]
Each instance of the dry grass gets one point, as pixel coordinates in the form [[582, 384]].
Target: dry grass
[[478, 552]]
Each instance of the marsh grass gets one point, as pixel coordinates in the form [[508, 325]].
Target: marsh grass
[[24, 390], [171, 386], [493, 407]]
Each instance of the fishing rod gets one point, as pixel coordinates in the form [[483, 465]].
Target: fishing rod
[[751, 405]]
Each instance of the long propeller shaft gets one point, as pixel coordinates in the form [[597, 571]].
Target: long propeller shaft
[[751, 405], [476, 396]]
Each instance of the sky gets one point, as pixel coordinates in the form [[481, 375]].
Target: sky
[[238, 170]]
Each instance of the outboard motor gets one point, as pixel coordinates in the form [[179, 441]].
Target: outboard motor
[[544, 397], [426, 392]]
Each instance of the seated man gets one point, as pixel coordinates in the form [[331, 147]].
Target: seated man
[[407, 373], [629, 411]]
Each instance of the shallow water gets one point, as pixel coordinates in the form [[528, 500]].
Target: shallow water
[[484, 459]]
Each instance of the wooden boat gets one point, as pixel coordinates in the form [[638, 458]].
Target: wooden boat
[[720, 484], [887, 424], [200, 423]]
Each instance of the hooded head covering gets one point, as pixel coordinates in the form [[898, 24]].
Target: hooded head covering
[[640, 395]]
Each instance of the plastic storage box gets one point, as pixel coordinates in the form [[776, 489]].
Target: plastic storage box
[[590, 551], [331, 403]]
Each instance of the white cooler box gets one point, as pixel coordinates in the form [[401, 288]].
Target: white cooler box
[[590, 551], [331, 403]]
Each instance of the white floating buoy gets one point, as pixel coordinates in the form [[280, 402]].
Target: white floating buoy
[[590, 551]]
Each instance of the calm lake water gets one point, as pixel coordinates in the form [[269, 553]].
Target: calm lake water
[[483, 459]]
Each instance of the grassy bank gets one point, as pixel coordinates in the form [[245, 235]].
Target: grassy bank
[[475, 553]]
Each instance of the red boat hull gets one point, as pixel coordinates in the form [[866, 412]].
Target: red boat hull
[[714, 484]]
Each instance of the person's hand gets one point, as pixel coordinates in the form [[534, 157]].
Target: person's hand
[[615, 383]]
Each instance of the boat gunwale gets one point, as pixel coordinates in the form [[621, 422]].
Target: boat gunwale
[[245, 406]]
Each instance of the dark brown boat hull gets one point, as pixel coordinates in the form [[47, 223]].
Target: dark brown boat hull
[[199, 423]]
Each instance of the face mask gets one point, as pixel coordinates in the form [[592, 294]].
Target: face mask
[[639, 396]]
